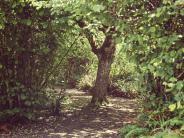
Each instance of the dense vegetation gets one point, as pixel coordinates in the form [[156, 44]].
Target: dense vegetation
[[135, 46]]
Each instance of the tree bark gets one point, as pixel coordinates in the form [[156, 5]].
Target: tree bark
[[105, 58], [102, 81]]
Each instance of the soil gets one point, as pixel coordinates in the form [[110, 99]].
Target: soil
[[78, 120]]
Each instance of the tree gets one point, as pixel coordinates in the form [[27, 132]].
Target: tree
[[105, 55], [27, 49], [95, 21]]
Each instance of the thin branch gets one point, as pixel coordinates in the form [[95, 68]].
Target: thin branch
[[180, 75]]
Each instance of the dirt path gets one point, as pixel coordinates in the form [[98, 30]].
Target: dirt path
[[78, 121]]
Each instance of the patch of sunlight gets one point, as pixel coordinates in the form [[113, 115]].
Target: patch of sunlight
[[104, 131], [81, 97], [126, 110], [110, 105], [88, 129], [110, 131], [118, 99], [127, 122], [83, 132], [97, 120], [75, 135], [58, 134]]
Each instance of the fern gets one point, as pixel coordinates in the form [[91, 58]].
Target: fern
[[126, 129], [143, 117], [137, 132], [167, 134], [130, 131], [173, 122]]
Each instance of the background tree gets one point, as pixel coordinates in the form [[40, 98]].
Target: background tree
[[27, 46]]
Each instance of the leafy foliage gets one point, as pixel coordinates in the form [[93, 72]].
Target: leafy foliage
[[47, 42], [155, 41], [26, 51]]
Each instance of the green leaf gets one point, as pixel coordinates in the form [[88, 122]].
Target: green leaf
[[27, 22], [41, 13], [171, 85], [172, 79], [98, 8], [182, 128], [159, 12], [152, 29], [182, 12], [179, 85], [179, 2], [2, 26], [167, 2], [172, 107]]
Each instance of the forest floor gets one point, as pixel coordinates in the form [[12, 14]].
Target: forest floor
[[79, 121]]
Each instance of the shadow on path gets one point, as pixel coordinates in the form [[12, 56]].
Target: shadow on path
[[82, 122]]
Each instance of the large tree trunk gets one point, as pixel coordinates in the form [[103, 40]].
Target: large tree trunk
[[102, 81], [105, 57]]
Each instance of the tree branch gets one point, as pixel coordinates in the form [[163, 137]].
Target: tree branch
[[89, 36]]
